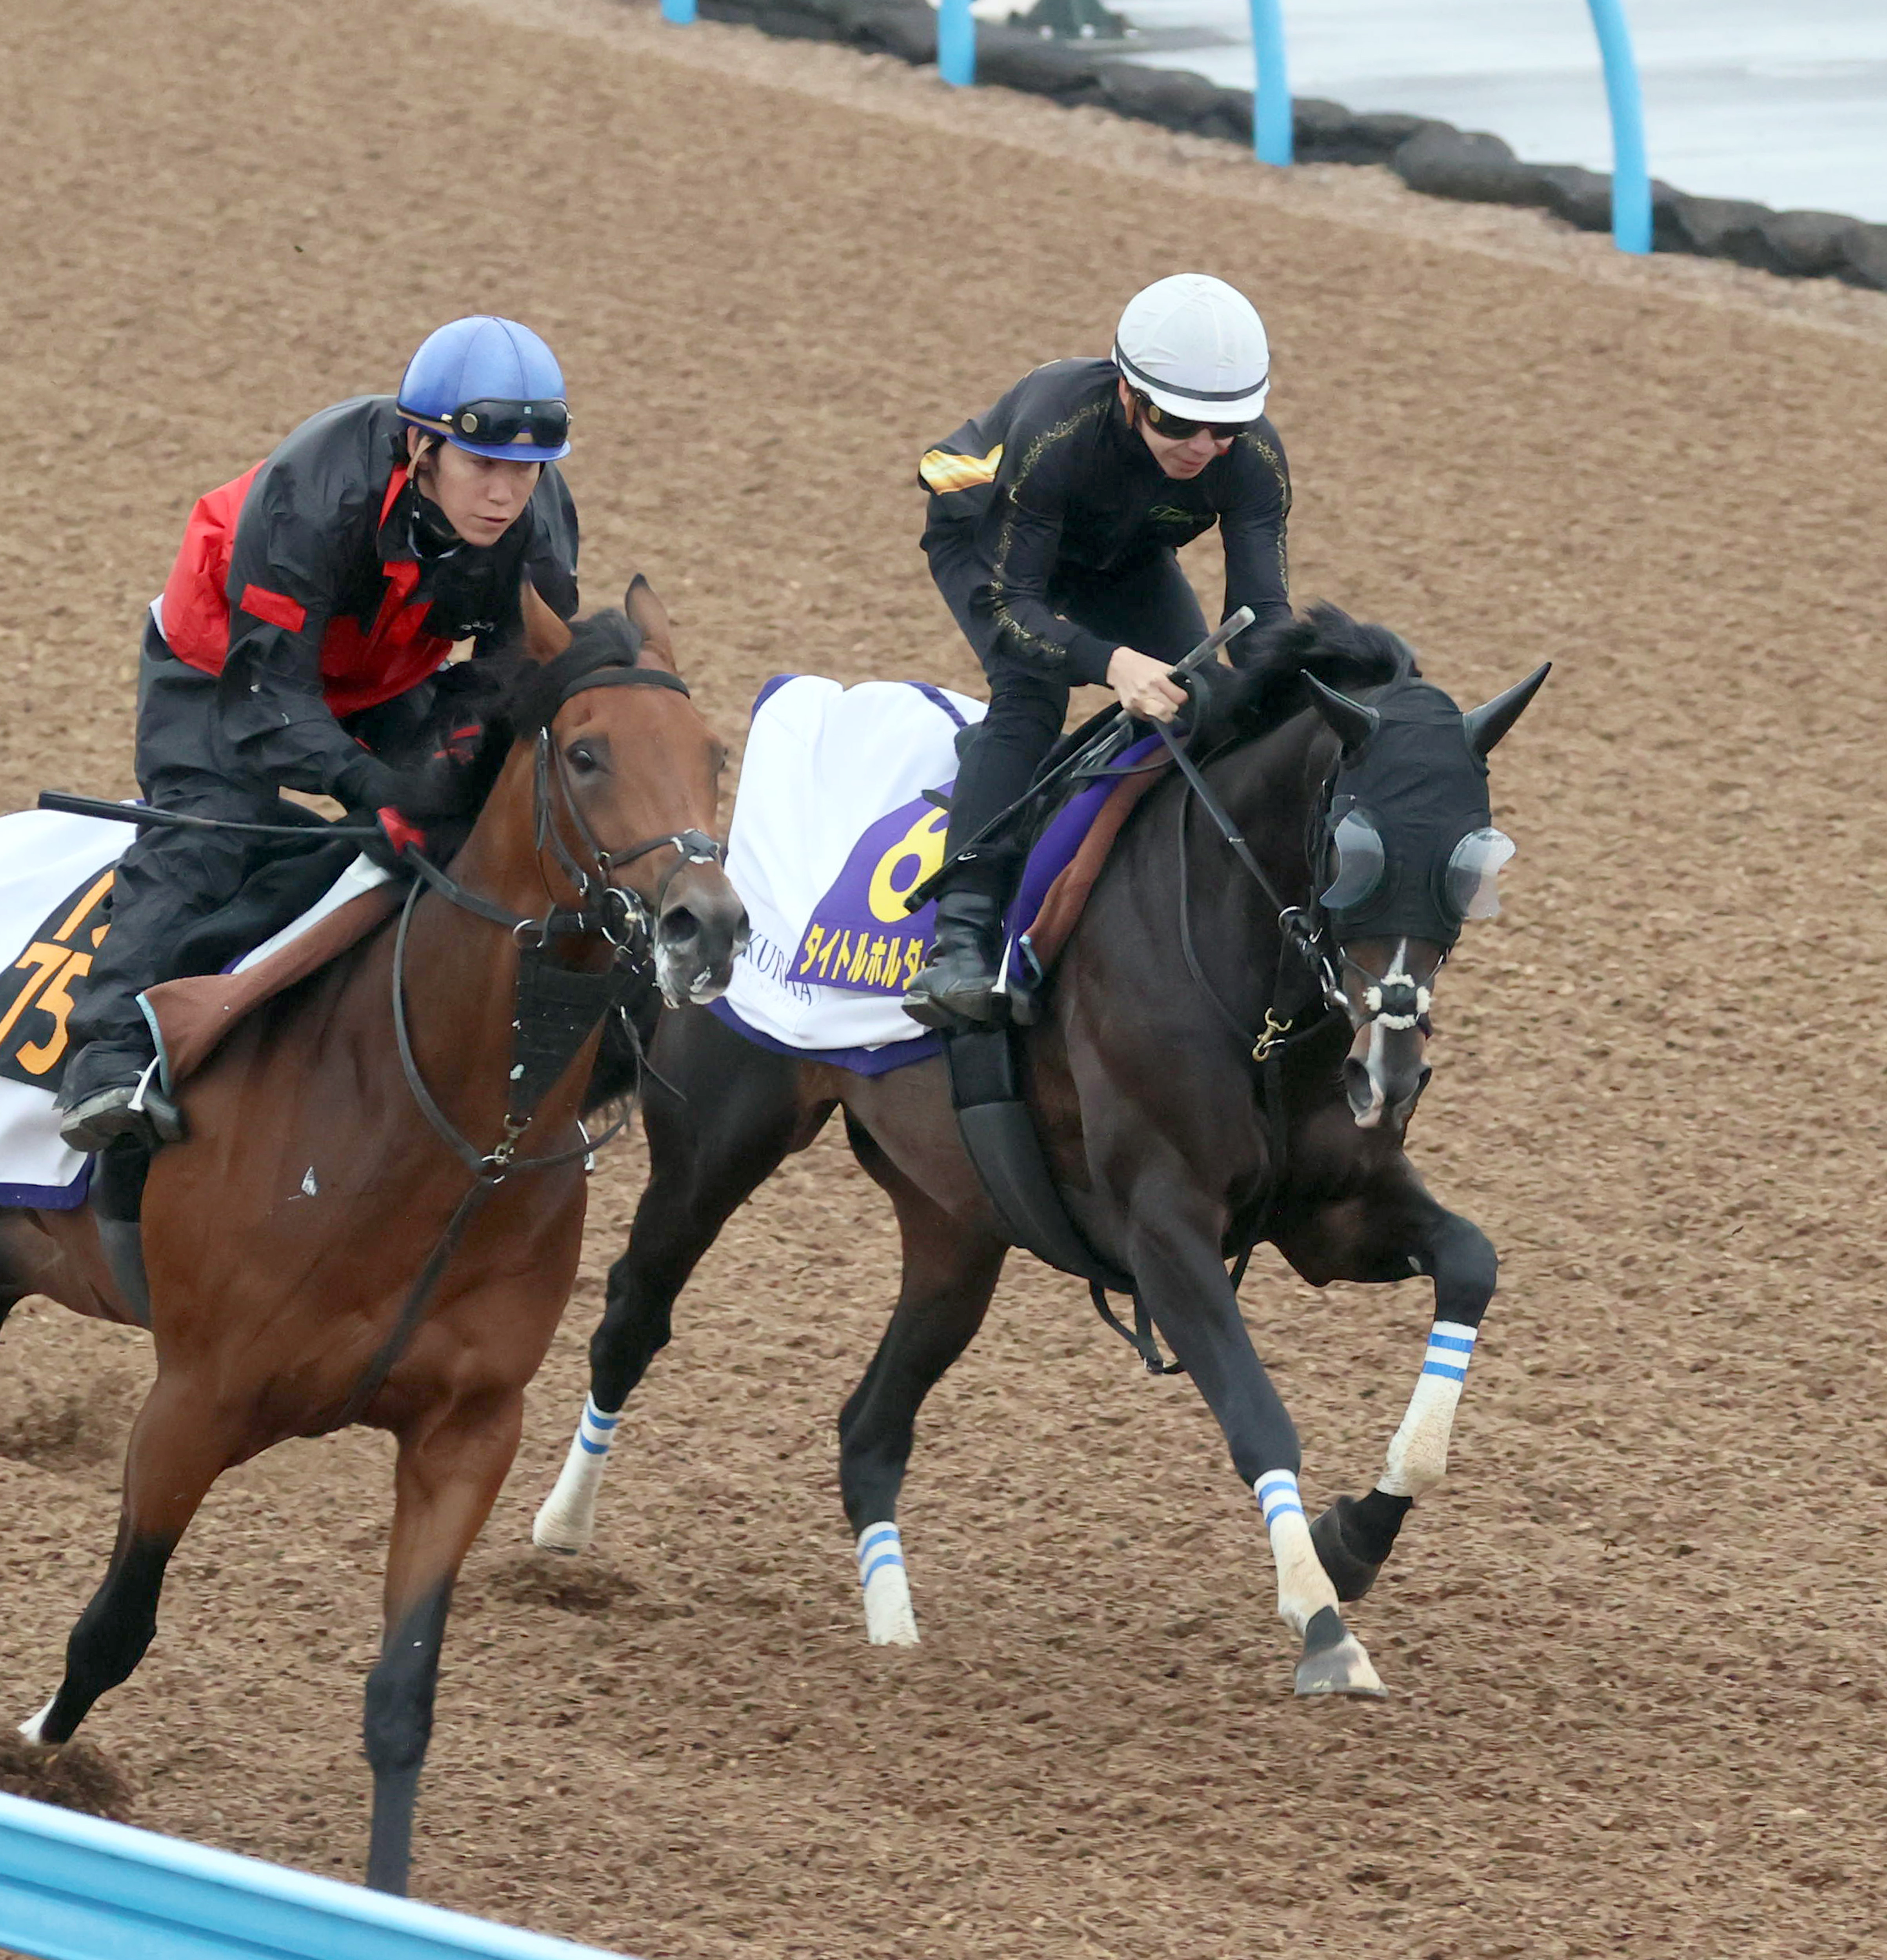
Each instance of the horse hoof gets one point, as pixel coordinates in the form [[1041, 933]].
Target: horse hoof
[[1334, 1661], [1350, 1573], [33, 1728]]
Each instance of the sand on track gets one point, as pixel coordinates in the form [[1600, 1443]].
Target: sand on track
[[1632, 1645]]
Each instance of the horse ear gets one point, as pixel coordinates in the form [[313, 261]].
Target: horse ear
[[1353, 720], [650, 615], [1484, 726], [545, 636]]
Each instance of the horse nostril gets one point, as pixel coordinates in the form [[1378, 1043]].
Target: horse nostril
[[1357, 1087], [677, 927]]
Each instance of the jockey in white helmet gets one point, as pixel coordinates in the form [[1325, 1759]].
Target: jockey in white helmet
[[1054, 521]]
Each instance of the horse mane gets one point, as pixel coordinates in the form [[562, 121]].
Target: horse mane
[[487, 704], [1267, 687], [507, 696]]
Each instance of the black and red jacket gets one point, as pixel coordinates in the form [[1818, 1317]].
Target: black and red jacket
[[322, 584]]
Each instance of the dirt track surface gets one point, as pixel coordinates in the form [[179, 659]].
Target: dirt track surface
[[1634, 1644]]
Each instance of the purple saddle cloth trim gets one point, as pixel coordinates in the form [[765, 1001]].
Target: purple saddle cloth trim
[[860, 1061], [1055, 850], [49, 1197]]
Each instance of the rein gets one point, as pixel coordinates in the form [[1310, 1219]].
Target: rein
[[555, 1009], [1301, 932]]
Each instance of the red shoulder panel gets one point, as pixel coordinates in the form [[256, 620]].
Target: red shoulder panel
[[195, 603]]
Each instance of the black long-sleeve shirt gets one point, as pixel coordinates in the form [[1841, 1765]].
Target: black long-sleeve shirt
[[321, 583], [1054, 477]]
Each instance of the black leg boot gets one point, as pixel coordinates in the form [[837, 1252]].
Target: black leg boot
[[959, 985]]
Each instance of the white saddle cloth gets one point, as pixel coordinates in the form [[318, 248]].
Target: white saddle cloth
[[830, 831], [55, 873]]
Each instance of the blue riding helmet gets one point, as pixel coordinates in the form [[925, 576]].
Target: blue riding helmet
[[490, 386]]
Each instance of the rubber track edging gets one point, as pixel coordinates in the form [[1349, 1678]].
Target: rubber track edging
[[1431, 157]]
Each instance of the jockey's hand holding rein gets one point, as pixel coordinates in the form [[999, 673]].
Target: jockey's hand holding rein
[[1145, 685]]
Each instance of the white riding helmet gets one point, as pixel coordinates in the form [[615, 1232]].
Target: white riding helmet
[[1197, 347]]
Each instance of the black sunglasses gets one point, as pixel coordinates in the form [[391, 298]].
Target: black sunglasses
[[1178, 428], [546, 423]]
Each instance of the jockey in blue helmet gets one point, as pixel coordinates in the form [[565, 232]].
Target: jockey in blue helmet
[[296, 645]]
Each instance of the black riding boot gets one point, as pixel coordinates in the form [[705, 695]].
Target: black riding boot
[[110, 1093], [959, 983]]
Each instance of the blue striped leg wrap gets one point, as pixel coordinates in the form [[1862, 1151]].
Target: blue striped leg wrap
[[1278, 1497], [880, 1547], [1450, 1348], [597, 1430]]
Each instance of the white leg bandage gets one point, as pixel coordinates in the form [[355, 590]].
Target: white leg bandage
[[890, 1619], [1303, 1587], [568, 1515], [1418, 1450]]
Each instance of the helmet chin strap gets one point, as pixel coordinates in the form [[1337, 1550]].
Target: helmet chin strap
[[428, 529], [417, 454]]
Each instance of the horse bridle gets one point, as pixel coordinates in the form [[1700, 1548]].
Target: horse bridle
[[564, 1004], [618, 913], [622, 918], [1304, 930]]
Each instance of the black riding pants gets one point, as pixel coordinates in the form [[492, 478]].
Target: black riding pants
[[170, 881], [1147, 605]]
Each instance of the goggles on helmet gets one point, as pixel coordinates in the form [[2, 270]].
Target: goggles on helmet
[[493, 423], [1180, 428]]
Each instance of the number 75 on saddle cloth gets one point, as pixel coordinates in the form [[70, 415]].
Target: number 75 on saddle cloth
[[55, 875]]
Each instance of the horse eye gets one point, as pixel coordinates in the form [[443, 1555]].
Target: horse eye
[[581, 758]]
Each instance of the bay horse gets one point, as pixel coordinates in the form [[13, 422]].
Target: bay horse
[[1226, 1056], [315, 1251]]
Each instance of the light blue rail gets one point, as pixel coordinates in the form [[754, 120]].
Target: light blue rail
[[1631, 177], [1271, 100], [74, 1888]]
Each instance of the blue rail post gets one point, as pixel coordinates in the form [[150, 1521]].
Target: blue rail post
[[1630, 178], [956, 42], [678, 13], [1271, 106]]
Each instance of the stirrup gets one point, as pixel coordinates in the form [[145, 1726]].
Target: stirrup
[[981, 1009], [165, 1118], [138, 1110]]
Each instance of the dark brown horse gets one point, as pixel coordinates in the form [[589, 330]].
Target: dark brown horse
[[288, 1241], [1173, 1151]]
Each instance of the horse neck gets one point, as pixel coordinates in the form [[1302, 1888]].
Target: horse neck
[[1272, 788]]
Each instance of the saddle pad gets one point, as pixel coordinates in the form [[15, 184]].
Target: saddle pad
[[830, 832], [55, 873]]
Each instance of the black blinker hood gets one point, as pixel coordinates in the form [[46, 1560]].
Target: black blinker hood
[[1425, 790]]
